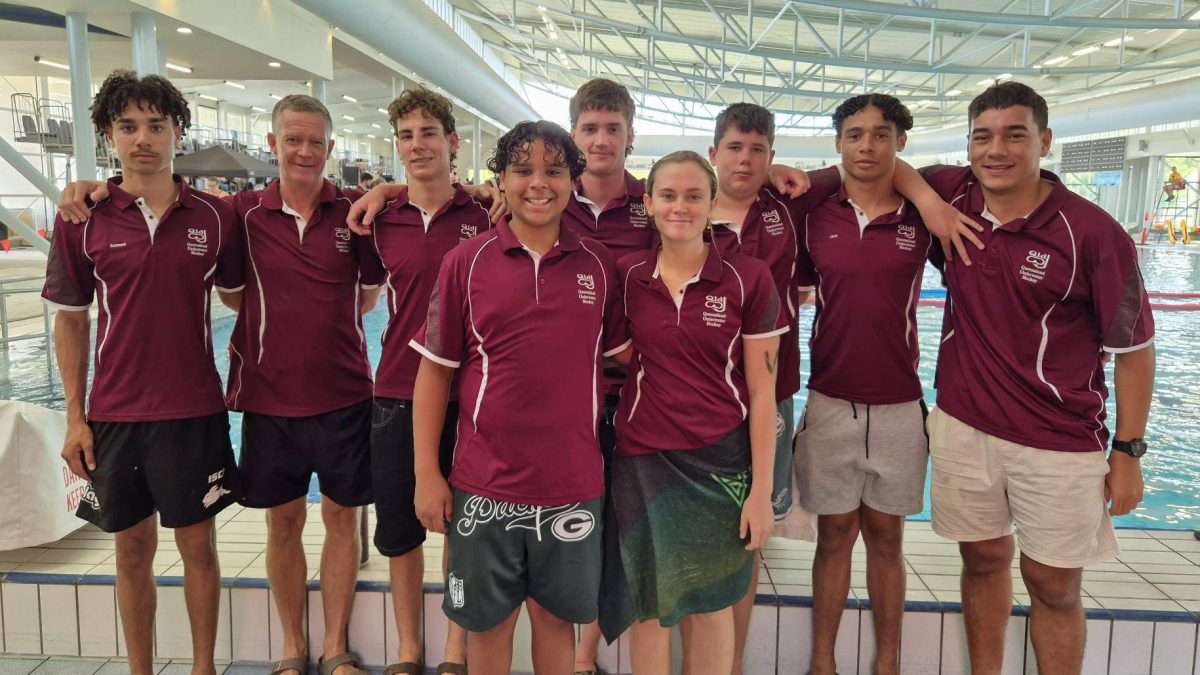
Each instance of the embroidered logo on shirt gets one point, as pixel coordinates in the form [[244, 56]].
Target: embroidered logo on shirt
[[120, 244], [1035, 271], [197, 241], [772, 222], [341, 237], [455, 586], [587, 288], [637, 214], [467, 231], [716, 317], [906, 237]]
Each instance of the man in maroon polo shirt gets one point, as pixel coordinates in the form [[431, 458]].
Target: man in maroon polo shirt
[[155, 435], [411, 237], [524, 516], [299, 371], [862, 454], [1019, 432]]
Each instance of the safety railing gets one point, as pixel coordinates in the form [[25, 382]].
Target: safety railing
[[32, 285]]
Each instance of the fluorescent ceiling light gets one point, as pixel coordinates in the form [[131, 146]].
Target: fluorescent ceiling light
[[382, 110], [1116, 41], [345, 130], [235, 85], [210, 98], [52, 64], [372, 136], [183, 30], [1056, 60], [1004, 76], [954, 92], [1085, 50], [376, 125], [277, 97], [349, 98], [258, 109], [176, 66], [1194, 17], [985, 83], [347, 117]]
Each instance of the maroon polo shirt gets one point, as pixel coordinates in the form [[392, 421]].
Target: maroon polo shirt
[[298, 347], [686, 387], [768, 234], [527, 336], [1025, 325], [153, 279], [622, 225], [864, 343], [410, 244]]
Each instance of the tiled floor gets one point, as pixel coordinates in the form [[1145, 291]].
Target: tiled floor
[[58, 600], [1157, 570]]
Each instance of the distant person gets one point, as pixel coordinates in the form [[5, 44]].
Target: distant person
[[212, 186], [1175, 182], [154, 435], [366, 181]]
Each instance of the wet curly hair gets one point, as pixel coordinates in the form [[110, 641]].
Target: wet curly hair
[[124, 87], [891, 107], [514, 147]]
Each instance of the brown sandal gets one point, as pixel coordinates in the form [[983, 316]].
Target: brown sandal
[[404, 668], [452, 668], [326, 666], [296, 663]]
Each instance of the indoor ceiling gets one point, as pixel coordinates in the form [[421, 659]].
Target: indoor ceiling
[[686, 59]]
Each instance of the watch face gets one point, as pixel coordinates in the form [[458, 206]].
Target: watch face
[[1137, 447]]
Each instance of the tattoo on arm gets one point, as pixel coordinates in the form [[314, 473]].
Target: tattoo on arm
[[772, 359]]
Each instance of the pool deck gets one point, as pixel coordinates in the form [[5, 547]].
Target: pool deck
[[59, 599]]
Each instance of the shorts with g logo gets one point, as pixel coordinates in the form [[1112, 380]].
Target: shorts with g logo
[[501, 553]]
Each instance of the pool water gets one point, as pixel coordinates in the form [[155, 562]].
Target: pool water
[[1172, 467]]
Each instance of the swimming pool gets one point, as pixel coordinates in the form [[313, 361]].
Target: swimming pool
[[1172, 468]]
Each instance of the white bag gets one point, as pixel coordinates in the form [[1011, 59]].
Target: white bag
[[38, 493]]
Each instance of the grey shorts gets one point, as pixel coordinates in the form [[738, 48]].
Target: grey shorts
[[781, 489], [502, 553], [849, 454]]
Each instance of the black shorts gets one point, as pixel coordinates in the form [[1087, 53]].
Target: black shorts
[[280, 455], [184, 469], [502, 553], [397, 529]]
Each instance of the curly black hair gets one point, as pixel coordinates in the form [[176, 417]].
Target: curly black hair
[[891, 107], [123, 87], [514, 146], [746, 117]]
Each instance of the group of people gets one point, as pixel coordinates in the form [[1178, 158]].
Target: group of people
[[591, 397]]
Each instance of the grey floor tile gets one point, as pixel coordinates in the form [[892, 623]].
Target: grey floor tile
[[19, 665], [66, 666]]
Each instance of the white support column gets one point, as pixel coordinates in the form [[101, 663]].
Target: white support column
[[161, 52], [222, 118], [145, 44], [81, 96], [320, 90]]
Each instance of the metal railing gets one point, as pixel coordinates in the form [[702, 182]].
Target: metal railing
[[5, 338]]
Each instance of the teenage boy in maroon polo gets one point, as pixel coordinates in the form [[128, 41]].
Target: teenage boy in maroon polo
[[525, 513], [155, 436], [1021, 384], [299, 371], [862, 455], [411, 236]]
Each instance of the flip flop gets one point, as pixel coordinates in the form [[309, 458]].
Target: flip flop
[[326, 666], [296, 663], [452, 668]]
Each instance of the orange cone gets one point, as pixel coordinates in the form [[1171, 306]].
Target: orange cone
[[42, 233], [5, 244]]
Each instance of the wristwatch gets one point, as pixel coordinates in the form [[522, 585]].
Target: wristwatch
[[1134, 448]]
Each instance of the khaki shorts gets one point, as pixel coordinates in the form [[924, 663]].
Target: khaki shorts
[[982, 485], [850, 454]]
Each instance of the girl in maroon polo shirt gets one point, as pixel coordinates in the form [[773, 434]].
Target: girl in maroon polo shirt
[[691, 486]]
